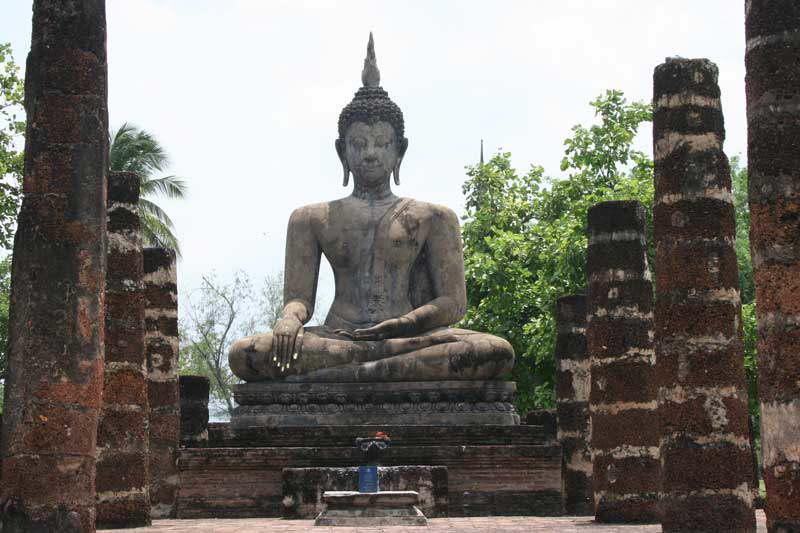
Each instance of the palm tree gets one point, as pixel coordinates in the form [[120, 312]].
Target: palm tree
[[134, 150]]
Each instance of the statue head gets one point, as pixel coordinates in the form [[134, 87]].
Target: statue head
[[371, 128]]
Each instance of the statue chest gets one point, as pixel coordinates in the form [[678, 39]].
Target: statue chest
[[374, 243]]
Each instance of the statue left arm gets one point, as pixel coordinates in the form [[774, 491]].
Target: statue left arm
[[445, 255]]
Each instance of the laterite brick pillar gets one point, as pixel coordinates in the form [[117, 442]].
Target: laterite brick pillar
[[773, 164], [55, 352], [194, 394], [161, 341], [572, 401], [622, 397], [706, 460], [123, 441]]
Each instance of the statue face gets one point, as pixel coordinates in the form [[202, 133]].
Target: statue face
[[371, 150]]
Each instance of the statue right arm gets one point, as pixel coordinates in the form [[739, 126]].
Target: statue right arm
[[300, 276], [301, 270]]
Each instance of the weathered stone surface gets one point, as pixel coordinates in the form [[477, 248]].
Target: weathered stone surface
[[55, 349], [702, 400], [385, 508], [397, 403], [622, 396], [399, 270], [572, 400], [194, 392], [303, 488], [222, 435], [123, 494], [545, 418], [773, 161], [497, 470], [161, 342]]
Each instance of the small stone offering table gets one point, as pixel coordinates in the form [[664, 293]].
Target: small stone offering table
[[358, 509]]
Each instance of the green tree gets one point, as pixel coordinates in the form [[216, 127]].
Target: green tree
[[218, 313], [525, 239], [746, 282], [12, 129], [135, 150], [525, 236]]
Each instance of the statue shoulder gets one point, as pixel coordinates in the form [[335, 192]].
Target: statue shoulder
[[309, 214], [435, 213]]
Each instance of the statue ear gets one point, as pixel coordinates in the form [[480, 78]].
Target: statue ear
[[340, 150], [401, 152]]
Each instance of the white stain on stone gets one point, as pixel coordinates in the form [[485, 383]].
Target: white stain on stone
[[686, 99], [716, 411], [626, 451], [123, 243], [155, 313], [633, 355], [773, 320], [623, 311], [608, 276], [617, 236], [741, 491], [780, 432], [161, 276], [110, 495], [715, 439], [714, 193], [681, 394], [619, 407], [678, 219], [775, 38], [673, 140]]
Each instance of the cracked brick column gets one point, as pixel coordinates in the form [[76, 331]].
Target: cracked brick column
[[122, 438], [622, 397], [707, 466], [194, 393], [572, 400], [773, 156], [161, 343], [54, 385]]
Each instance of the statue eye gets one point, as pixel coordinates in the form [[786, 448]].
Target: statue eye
[[358, 143]]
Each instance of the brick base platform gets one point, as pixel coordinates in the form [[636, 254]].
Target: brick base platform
[[492, 470], [509, 524]]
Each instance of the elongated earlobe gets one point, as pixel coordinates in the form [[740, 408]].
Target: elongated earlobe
[[341, 152], [401, 153]]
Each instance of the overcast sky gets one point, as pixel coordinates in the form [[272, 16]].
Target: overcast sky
[[245, 94]]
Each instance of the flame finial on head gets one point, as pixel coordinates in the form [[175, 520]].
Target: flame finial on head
[[371, 76]]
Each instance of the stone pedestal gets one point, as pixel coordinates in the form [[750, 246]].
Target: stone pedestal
[[447, 403], [388, 508], [304, 488], [491, 470]]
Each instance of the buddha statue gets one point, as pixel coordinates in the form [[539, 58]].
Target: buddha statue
[[399, 273]]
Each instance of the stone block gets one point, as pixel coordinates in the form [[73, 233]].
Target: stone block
[[194, 394], [492, 470], [375, 509], [303, 488], [431, 403]]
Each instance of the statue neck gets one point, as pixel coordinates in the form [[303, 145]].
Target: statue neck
[[373, 191]]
